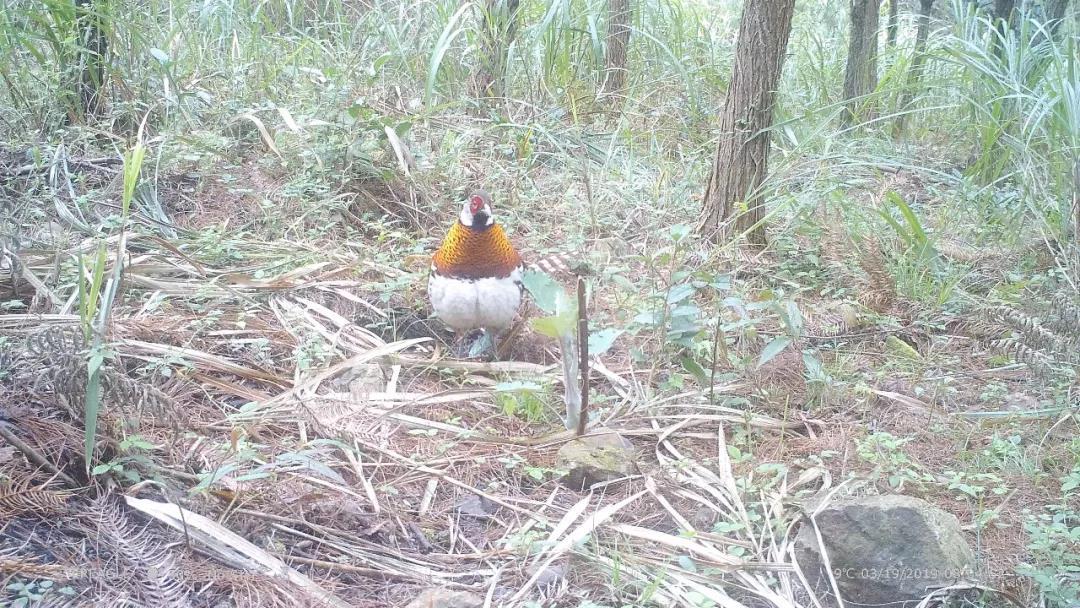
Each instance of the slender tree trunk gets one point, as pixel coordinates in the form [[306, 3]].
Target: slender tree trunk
[[498, 25], [1055, 16], [914, 75], [742, 153], [90, 59], [894, 22], [1076, 199], [1002, 17], [860, 75], [1003, 10], [618, 39]]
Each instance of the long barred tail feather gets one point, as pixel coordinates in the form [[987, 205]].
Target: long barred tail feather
[[553, 264]]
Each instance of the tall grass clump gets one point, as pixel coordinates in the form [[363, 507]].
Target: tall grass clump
[[1020, 88]]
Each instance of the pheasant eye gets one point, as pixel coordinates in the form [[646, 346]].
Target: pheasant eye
[[475, 204]]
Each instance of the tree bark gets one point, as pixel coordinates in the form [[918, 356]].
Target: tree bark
[[742, 152], [498, 25], [1055, 15], [91, 59], [860, 75], [914, 75], [1003, 9], [894, 22], [1002, 17], [1076, 199], [618, 39]]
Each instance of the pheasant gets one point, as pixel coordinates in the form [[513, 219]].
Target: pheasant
[[475, 279]]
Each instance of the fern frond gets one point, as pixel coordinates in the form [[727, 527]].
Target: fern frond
[[137, 552], [19, 498]]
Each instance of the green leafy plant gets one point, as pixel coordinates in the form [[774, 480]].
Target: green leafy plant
[[910, 230], [34, 592], [96, 303], [134, 461], [524, 398], [885, 452], [533, 472], [1054, 544], [561, 323]]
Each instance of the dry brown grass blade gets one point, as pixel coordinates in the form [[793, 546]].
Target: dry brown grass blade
[[230, 388], [472, 367], [28, 275], [717, 559], [583, 530], [308, 387], [230, 547], [264, 133], [915, 405], [204, 360], [31, 323], [404, 158], [345, 337]]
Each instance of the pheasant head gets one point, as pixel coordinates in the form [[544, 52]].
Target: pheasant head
[[476, 247]]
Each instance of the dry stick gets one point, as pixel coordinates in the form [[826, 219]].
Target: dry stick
[[583, 348], [34, 456], [719, 343], [28, 275], [350, 568]]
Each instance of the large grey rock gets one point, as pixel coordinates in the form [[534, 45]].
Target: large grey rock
[[594, 459], [885, 551]]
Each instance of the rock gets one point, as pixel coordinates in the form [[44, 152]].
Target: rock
[[359, 381], [471, 504], [549, 576], [704, 518], [885, 551], [594, 459], [446, 598], [897, 347], [1020, 402]]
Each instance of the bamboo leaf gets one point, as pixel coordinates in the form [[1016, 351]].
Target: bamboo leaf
[[773, 348], [92, 403], [449, 33]]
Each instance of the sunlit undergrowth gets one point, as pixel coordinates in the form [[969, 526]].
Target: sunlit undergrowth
[[302, 159]]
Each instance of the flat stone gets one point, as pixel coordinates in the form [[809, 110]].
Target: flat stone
[[550, 576], [471, 504], [595, 459]]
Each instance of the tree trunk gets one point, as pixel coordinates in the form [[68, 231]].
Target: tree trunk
[[498, 25], [1055, 15], [1003, 10], [860, 76], [90, 59], [618, 39], [1076, 198], [742, 153], [894, 22], [914, 75], [1002, 18]]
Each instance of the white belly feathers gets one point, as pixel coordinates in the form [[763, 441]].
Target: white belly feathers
[[491, 303]]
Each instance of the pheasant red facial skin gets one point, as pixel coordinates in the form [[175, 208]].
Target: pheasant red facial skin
[[475, 253]]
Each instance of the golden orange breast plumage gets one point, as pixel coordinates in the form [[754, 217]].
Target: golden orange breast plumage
[[470, 253]]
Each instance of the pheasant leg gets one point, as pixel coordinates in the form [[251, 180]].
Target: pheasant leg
[[483, 345]]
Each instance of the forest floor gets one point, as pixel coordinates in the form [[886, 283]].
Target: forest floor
[[291, 388]]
